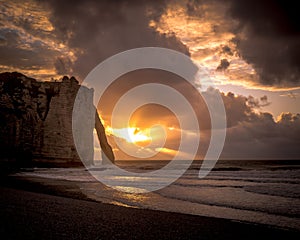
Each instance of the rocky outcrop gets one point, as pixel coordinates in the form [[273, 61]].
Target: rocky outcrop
[[107, 153], [36, 122]]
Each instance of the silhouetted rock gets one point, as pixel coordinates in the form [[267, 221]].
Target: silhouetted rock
[[107, 153], [36, 122]]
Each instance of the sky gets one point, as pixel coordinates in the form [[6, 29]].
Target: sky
[[250, 50]]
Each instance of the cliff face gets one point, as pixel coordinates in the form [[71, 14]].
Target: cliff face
[[36, 122]]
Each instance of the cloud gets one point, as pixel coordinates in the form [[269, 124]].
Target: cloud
[[100, 29], [27, 41], [226, 50], [252, 134], [263, 138], [63, 65], [268, 37], [292, 95], [72, 38], [258, 103], [259, 38], [224, 64]]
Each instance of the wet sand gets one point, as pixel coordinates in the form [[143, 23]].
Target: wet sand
[[38, 208]]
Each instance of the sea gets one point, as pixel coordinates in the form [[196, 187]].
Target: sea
[[256, 192]]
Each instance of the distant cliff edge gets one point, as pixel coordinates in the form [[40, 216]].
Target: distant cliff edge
[[36, 122]]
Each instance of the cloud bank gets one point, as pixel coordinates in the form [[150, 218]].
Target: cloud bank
[[268, 36], [100, 29], [256, 42]]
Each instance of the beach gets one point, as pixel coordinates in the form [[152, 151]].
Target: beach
[[41, 208], [149, 120], [255, 192]]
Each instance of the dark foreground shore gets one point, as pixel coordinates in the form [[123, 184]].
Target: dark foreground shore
[[35, 208]]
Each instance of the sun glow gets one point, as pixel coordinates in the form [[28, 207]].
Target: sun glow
[[131, 134]]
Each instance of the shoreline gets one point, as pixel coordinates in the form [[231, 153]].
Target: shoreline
[[58, 203]]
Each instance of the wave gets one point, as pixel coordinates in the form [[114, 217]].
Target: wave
[[235, 198]]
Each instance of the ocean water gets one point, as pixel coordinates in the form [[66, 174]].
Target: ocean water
[[262, 192]]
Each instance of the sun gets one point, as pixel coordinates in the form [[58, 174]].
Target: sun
[[131, 134], [136, 135]]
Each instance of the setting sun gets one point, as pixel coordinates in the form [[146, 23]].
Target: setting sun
[[131, 134]]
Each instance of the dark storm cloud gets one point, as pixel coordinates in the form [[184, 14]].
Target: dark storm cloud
[[252, 134], [259, 136], [264, 101], [256, 135], [268, 37], [100, 29], [258, 103], [29, 55], [227, 50], [63, 65], [224, 64]]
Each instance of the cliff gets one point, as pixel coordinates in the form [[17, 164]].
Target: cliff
[[36, 122]]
